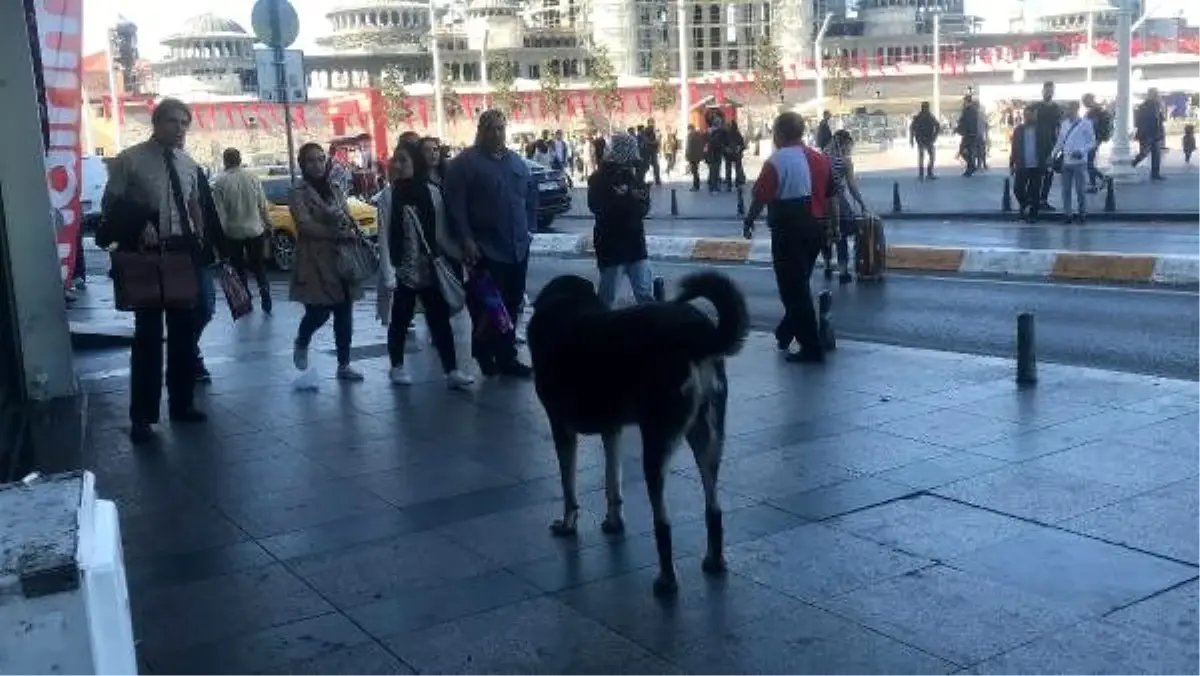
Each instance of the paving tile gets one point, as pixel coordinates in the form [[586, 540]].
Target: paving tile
[[841, 498], [1034, 493], [882, 410], [522, 535], [1077, 572], [866, 451], [783, 432], [168, 570], [421, 608], [772, 474], [815, 562], [930, 527], [1031, 407], [1165, 521], [431, 480], [940, 470], [955, 429], [538, 636], [1170, 613], [364, 658], [804, 640], [192, 529], [955, 615], [268, 513], [1123, 464], [167, 619], [1181, 432], [389, 568], [1061, 436], [1097, 647], [259, 650]]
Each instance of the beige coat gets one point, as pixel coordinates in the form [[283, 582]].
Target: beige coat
[[319, 225]]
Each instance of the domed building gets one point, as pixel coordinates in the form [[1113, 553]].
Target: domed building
[[208, 55]]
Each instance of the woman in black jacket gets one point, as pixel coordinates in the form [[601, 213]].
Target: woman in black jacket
[[620, 200]]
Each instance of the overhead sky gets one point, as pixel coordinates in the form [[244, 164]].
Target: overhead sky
[[154, 23]]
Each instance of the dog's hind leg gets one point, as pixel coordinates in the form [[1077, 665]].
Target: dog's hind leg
[[656, 450], [614, 521], [707, 440], [566, 444]]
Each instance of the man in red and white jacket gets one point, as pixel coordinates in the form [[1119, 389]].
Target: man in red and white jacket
[[794, 187]]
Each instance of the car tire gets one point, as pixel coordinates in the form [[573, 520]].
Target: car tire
[[283, 250]]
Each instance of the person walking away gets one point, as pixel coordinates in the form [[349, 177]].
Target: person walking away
[[323, 222], [1150, 125], [1189, 142], [492, 202], [151, 201], [671, 150], [245, 221], [717, 141], [212, 252], [561, 151], [652, 147], [982, 140], [794, 186], [923, 133], [693, 154], [620, 200], [1049, 121], [825, 130], [1026, 163], [1102, 124], [968, 132], [735, 150], [412, 233], [844, 188], [1075, 141]]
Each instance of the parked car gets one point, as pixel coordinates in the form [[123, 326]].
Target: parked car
[[283, 229], [95, 177], [554, 193]]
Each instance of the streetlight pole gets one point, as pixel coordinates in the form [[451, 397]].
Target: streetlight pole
[[685, 93], [1120, 158], [438, 100], [1091, 39], [937, 65], [819, 59]]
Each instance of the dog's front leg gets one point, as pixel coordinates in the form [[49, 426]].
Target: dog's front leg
[[614, 521], [655, 453], [566, 446]]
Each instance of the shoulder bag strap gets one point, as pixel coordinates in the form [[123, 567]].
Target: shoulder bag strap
[[415, 220]]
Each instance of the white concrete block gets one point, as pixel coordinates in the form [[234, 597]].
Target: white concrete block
[[1011, 262], [1178, 270], [671, 248]]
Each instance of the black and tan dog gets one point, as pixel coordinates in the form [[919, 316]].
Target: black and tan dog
[[660, 366]]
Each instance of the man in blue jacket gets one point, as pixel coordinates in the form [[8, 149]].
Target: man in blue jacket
[[491, 204]]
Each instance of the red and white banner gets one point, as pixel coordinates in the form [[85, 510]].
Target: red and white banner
[[60, 39]]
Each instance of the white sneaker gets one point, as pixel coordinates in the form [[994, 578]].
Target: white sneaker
[[400, 376], [349, 375], [457, 380], [300, 357]]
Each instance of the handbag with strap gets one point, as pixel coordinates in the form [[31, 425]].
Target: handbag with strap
[[448, 283], [358, 257], [1056, 164]]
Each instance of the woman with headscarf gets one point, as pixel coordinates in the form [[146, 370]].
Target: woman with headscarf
[[323, 222], [845, 187], [412, 232], [620, 200]]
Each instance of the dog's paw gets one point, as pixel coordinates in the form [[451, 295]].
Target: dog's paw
[[612, 525], [665, 586], [713, 565], [561, 528]]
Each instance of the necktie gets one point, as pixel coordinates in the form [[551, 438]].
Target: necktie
[[185, 221]]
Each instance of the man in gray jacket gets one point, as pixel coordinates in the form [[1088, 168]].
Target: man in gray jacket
[[491, 204]]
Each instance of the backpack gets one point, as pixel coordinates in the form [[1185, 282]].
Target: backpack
[[1104, 126]]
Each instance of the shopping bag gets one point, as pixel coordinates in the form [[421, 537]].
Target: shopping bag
[[236, 294]]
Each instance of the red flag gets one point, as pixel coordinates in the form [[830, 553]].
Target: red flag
[[150, 105], [364, 121], [274, 114], [197, 117], [298, 116], [119, 102], [423, 112], [985, 55], [257, 111], [229, 114], [570, 108]]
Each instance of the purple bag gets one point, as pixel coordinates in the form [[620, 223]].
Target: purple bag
[[487, 310]]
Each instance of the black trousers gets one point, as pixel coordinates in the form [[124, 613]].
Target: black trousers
[[315, 317], [734, 173], [246, 257], [694, 170], [1093, 172], [437, 316], [652, 164], [1153, 149], [926, 151], [1047, 183], [146, 363], [1027, 188], [793, 256], [714, 174], [489, 347]]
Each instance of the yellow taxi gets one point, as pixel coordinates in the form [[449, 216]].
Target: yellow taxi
[[283, 231]]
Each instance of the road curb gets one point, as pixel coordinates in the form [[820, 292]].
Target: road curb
[[1167, 270]]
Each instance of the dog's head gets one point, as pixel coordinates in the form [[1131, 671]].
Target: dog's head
[[566, 291]]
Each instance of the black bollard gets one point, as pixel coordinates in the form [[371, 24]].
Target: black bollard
[[660, 289], [896, 208], [741, 203], [1110, 199], [1006, 200], [1026, 351], [674, 203]]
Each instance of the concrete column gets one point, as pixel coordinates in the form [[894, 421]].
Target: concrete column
[[1121, 158]]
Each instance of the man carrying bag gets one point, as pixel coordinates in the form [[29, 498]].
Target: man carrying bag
[[152, 214]]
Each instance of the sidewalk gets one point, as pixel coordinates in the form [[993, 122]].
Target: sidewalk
[[894, 511]]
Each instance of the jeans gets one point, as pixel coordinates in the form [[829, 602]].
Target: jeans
[[925, 150], [1074, 177], [146, 363], [206, 305], [437, 316], [640, 279], [315, 317]]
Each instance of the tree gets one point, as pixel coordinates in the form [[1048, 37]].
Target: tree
[[663, 94], [553, 97], [768, 71], [839, 79], [502, 81], [451, 102], [604, 82], [395, 96]]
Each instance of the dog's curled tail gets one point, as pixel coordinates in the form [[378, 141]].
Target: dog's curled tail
[[733, 319]]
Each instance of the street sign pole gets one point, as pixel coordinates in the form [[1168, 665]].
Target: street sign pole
[[281, 80]]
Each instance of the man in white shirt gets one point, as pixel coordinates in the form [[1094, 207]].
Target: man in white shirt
[[1076, 139], [242, 207]]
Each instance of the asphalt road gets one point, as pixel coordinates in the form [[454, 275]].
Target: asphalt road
[[1138, 330]]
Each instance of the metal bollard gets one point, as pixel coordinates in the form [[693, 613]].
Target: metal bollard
[[674, 203], [1026, 350], [896, 208], [1006, 200], [741, 202], [660, 289], [1110, 199]]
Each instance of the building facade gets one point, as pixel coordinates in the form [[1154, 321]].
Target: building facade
[[208, 55]]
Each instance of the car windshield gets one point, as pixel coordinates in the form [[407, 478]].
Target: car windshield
[[277, 190]]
